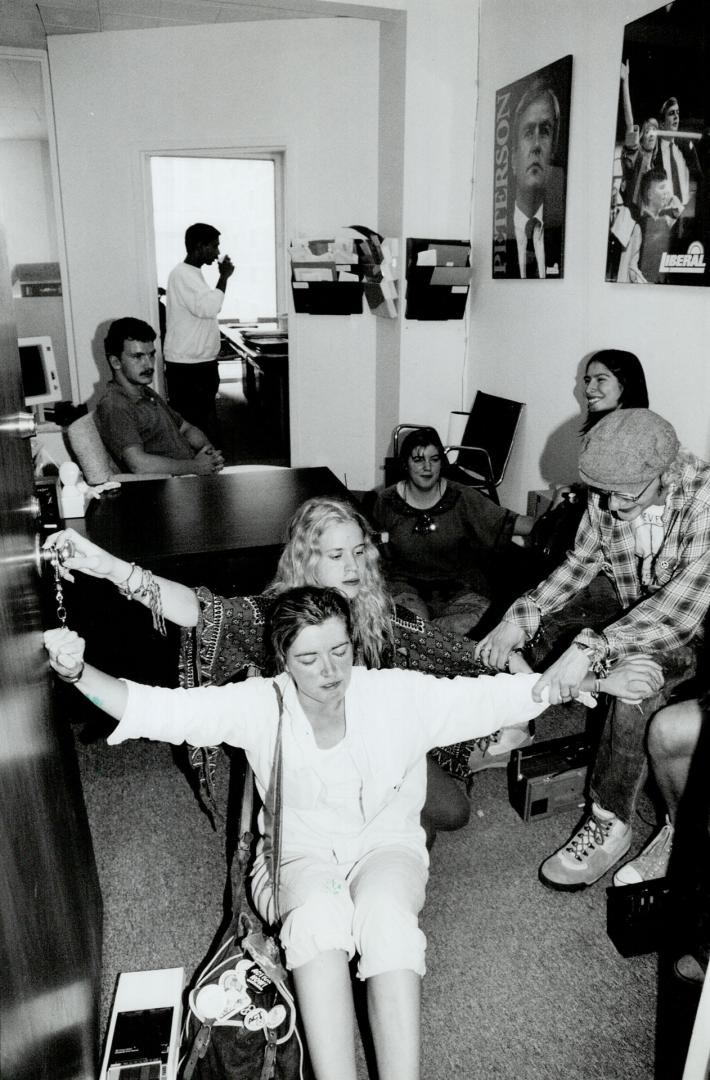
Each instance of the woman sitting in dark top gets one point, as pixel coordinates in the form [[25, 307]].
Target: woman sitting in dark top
[[439, 537]]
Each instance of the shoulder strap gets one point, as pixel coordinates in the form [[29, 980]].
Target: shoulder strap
[[273, 803], [273, 811], [238, 857]]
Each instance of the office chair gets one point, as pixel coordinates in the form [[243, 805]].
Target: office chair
[[92, 456], [97, 465], [482, 456]]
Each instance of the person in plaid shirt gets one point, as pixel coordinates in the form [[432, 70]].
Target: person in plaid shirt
[[647, 530]]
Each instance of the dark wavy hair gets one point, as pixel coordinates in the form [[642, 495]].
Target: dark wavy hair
[[626, 366], [418, 439], [296, 609]]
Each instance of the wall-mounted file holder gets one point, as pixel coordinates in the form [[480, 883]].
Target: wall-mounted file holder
[[327, 297], [326, 278], [438, 278], [379, 257]]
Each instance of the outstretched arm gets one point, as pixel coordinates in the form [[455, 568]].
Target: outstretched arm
[[633, 679], [626, 95], [66, 657], [77, 553]]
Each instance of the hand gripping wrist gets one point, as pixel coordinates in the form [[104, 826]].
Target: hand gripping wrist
[[72, 676]]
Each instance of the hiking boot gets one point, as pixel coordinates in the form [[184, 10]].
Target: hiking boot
[[494, 751], [601, 841], [651, 863]]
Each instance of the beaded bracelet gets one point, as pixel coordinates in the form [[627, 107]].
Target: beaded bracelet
[[72, 678], [147, 589], [123, 587]]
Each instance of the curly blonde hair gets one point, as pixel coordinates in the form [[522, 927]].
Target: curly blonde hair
[[372, 609]]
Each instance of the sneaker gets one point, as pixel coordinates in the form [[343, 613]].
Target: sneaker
[[651, 863], [494, 751], [602, 840]]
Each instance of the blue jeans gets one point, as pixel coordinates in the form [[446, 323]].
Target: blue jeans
[[621, 765]]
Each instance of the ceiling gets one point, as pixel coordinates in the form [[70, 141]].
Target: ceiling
[[28, 23]]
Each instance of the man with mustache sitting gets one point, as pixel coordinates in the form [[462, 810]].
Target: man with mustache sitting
[[137, 425]]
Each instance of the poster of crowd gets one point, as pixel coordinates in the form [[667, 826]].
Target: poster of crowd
[[658, 217], [530, 174]]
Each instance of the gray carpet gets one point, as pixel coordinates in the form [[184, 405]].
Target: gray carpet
[[522, 982]]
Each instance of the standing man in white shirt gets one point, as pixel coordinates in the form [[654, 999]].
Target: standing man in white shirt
[[192, 339]]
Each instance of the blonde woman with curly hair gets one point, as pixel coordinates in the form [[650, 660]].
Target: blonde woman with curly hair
[[329, 543], [309, 557]]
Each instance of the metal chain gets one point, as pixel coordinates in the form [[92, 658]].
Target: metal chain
[[58, 589], [59, 555]]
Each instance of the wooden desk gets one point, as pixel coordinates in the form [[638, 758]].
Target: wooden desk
[[265, 355], [193, 522], [224, 531]]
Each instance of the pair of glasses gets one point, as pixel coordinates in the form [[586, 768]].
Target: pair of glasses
[[624, 498], [424, 523], [420, 461]]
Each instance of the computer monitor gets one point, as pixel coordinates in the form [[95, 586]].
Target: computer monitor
[[39, 371]]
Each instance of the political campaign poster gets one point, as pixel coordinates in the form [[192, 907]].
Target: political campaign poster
[[530, 174], [658, 214]]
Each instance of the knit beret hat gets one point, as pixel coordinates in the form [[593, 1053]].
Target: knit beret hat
[[627, 448]]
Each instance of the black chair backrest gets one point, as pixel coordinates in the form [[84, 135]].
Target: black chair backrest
[[491, 424]]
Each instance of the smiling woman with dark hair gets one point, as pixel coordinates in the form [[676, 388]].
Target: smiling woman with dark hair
[[613, 379]]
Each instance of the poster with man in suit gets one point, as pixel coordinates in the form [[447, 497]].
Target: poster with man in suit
[[530, 174]]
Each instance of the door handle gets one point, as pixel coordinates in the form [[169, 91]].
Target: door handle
[[22, 424]]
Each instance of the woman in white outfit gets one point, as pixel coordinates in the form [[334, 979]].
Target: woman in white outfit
[[354, 858]]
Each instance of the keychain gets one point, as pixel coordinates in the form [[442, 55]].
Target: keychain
[[58, 557]]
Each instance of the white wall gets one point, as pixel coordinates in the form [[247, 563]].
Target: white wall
[[308, 86], [27, 198], [439, 139], [208, 86], [528, 338], [440, 120]]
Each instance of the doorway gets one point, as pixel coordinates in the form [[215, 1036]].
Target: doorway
[[241, 194]]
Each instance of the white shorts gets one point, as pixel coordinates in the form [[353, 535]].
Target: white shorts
[[370, 907]]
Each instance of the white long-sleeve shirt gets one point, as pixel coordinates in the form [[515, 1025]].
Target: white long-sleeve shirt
[[392, 719], [192, 334]]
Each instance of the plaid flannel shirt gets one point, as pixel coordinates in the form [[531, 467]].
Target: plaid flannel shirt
[[659, 618]]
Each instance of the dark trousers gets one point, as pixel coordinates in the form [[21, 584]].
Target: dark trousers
[[192, 391]]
